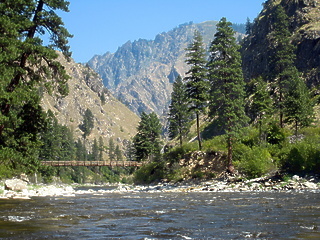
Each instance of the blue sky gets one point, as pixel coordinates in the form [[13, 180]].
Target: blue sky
[[99, 26]]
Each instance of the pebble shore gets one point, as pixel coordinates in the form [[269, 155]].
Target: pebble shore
[[295, 183]]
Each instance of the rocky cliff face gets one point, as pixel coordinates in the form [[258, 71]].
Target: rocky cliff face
[[304, 18], [141, 73], [112, 119]]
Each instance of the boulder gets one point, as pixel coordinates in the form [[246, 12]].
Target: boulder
[[310, 185], [15, 185]]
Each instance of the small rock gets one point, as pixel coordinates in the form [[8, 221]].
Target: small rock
[[295, 178], [267, 184], [255, 186]]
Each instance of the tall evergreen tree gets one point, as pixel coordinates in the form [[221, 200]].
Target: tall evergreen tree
[[260, 103], [67, 144], [298, 104], [227, 84], [26, 64], [51, 139], [81, 151], [147, 141], [196, 84], [179, 115], [282, 68], [130, 151], [290, 92], [95, 151], [101, 148], [118, 154], [111, 150], [248, 26], [88, 123]]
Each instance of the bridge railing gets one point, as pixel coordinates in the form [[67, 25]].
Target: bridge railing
[[93, 163]]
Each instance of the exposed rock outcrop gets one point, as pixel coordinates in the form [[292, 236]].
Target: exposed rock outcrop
[[304, 17]]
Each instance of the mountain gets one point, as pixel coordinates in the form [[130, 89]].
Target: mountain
[[141, 73], [112, 119], [304, 17]]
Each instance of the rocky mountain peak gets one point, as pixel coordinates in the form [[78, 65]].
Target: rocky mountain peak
[[141, 73]]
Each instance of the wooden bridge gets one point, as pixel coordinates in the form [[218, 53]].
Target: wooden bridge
[[93, 163]]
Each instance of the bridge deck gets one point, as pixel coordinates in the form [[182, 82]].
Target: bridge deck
[[93, 163]]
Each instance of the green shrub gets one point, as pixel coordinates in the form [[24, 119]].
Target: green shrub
[[217, 143], [249, 136], [302, 157], [177, 153], [176, 173], [6, 171], [253, 162], [126, 180], [149, 173], [276, 134], [198, 174]]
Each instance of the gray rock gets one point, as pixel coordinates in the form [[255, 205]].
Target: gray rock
[[15, 185], [295, 178], [267, 184], [310, 185]]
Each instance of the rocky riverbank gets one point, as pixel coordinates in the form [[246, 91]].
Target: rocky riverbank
[[294, 183]]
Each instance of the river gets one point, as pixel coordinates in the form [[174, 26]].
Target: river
[[143, 215]]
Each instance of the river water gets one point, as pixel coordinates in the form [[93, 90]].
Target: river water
[[203, 215]]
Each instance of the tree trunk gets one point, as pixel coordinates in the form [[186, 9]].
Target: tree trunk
[[296, 131], [230, 167], [281, 106], [198, 132]]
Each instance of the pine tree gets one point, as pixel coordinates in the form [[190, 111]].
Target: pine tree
[[130, 151], [298, 104], [147, 141], [88, 123], [81, 151], [111, 150], [101, 148], [67, 144], [103, 98], [260, 103], [50, 139], [282, 68], [248, 26], [196, 84], [118, 154], [95, 151], [227, 84], [290, 92], [179, 115], [25, 65]]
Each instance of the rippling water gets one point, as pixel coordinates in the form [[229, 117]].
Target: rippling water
[[164, 216]]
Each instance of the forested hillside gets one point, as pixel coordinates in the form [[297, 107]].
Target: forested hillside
[[111, 118], [304, 22]]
